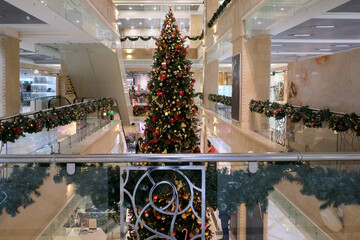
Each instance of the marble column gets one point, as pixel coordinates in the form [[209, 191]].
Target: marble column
[[211, 82], [255, 74], [196, 26], [9, 76], [210, 8]]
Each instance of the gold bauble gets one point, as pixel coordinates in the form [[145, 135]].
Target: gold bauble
[[183, 216]]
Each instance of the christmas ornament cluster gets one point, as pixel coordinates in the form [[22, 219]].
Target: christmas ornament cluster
[[10, 131], [310, 118]]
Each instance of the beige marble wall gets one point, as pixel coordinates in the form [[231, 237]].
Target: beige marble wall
[[9, 76], [196, 26], [328, 82], [210, 8]]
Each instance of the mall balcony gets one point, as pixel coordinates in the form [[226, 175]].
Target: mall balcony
[[277, 102]]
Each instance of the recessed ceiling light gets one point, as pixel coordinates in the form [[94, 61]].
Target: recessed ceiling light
[[132, 27], [142, 5], [301, 35], [259, 23], [130, 8], [323, 26], [154, 8], [282, 9], [129, 51], [324, 49], [128, 19], [179, 8], [149, 18], [119, 23], [277, 45], [341, 45], [77, 21], [140, 23]]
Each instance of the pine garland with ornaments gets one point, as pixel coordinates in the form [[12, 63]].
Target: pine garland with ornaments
[[171, 126]]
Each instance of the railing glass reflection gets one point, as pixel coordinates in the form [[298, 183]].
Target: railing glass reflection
[[280, 199]]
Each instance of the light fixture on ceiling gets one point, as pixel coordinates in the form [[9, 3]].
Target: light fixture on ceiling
[[151, 27], [132, 27], [181, 23], [130, 8], [129, 50], [127, 19], [324, 49], [28, 17], [149, 18], [142, 5], [277, 45], [77, 21], [140, 23], [301, 35], [259, 22], [179, 8], [282, 9], [341, 45], [154, 8], [323, 26], [36, 71], [119, 23]]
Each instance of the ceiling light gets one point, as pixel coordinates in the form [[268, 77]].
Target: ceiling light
[[132, 27], [151, 27], [259, 23], [341, 45], [282, 9], [119, 23], [277, 45], [77, 21], [324, 49], [301, 35], [36, 71], [179, 8], [154, 8], [27, 17], [140, 23], [149, 18], [130, 8], [141, 5], [181, 23], [129, 51], [128, 19], [323, 26]]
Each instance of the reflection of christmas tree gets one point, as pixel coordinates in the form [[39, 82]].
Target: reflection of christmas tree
[[171, 126]]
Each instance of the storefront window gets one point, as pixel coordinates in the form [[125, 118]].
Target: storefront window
[[34, 85]]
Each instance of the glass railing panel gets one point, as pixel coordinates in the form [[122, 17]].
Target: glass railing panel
[[81, 16], [286, 200]]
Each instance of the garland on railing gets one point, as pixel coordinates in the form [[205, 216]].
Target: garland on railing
[[139, 95], [139, 110], [218, 13], [147, 38], [199, 94], [13, 130], [220, 99], [310, 118]]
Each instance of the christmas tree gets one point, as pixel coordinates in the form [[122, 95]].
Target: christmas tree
[[171, 125]]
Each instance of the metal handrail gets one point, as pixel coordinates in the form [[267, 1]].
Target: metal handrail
[[180, 158], [37, 98]]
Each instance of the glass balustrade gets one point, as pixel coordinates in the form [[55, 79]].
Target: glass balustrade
[[122, 197]]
